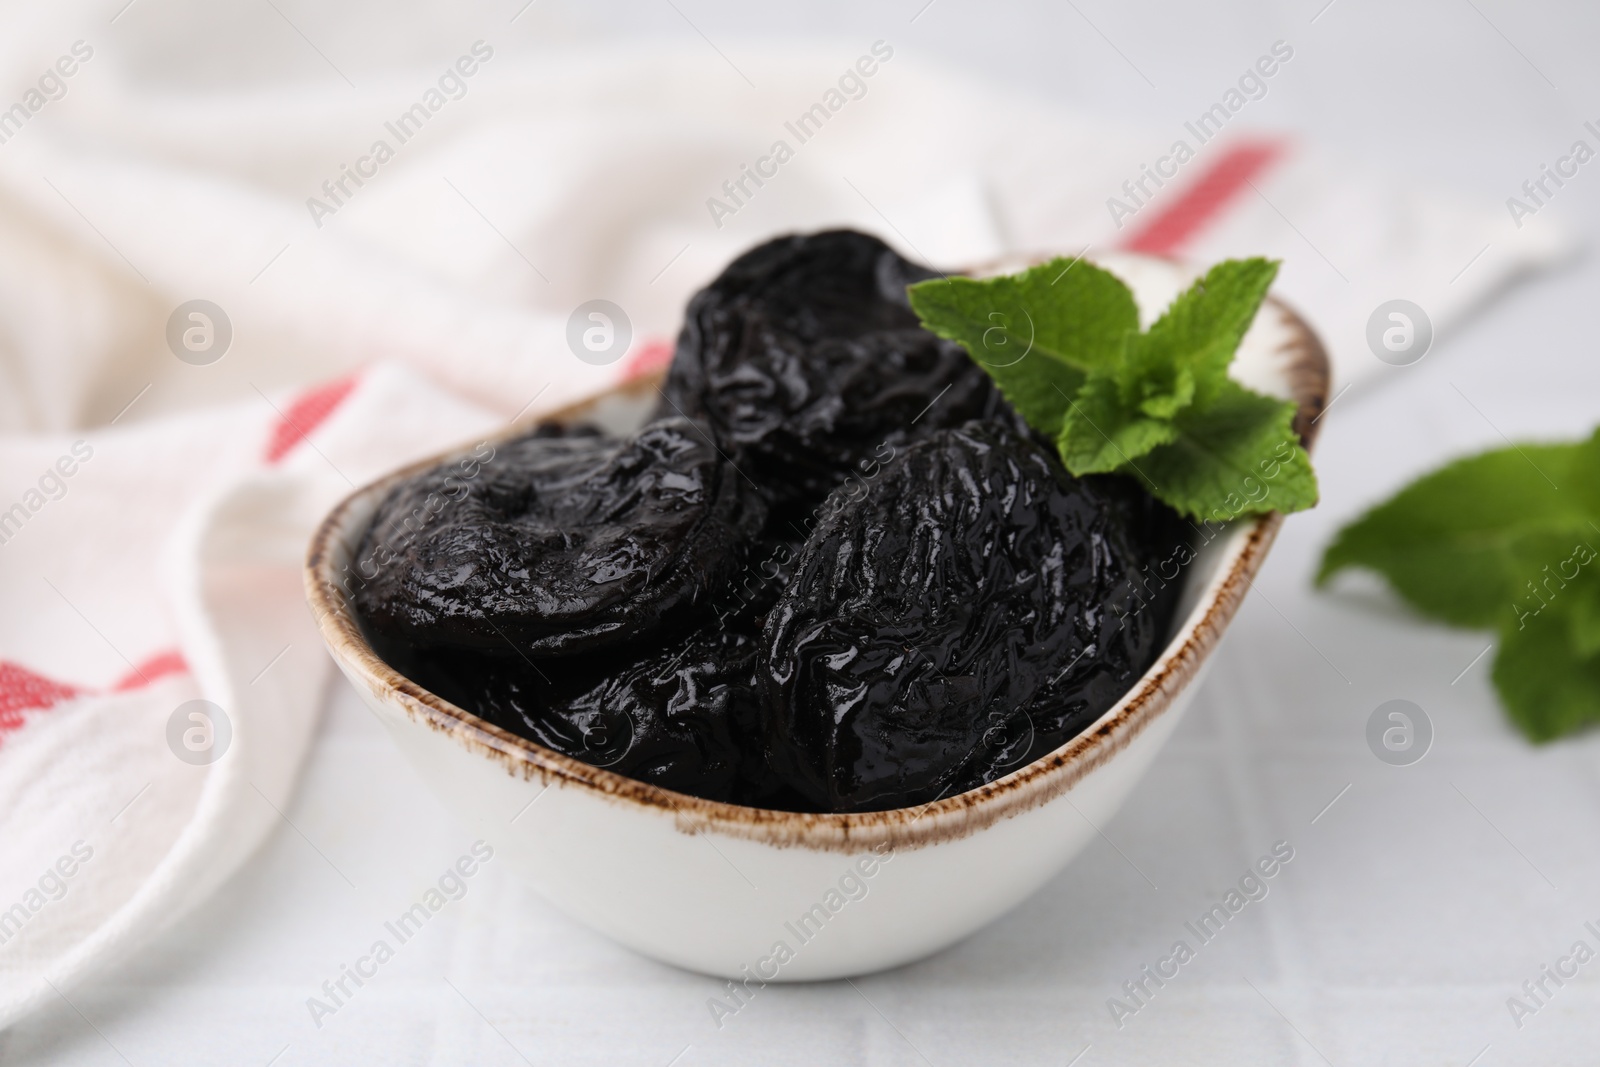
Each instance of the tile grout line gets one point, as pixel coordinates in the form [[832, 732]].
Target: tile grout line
[[1246, 790]]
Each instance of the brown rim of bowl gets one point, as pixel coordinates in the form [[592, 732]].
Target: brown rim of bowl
[[1307, 375]]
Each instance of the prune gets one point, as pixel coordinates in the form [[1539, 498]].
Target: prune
[[557, 544], [768, 564], [971, 611], [806, 357], [683, 716]]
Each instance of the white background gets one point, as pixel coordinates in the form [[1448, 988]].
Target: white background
[[1414, 906]]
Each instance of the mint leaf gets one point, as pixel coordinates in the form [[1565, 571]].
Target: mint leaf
[[1549, 689], [1505, 539], [1209, 440], [1062, 342], [1189, 347], [1550, 574], [1583, 620], [1037, 333], [1100, 433], [1448, 543], [1547, 671], [1239, 455], [1183, 359], [1163, 396]]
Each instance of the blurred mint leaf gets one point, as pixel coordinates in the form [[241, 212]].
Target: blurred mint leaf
[[1548, 688], [1583, 621], [1506, 539], [1448, 542]]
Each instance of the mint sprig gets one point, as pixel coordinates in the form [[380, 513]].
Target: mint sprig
[[1038, 333], [1063, 343], [1507, 540]]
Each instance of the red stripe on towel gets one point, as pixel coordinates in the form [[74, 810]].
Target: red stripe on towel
[[650, 356], [1229, 175], [21, 690], [157, 666], [305, 413]]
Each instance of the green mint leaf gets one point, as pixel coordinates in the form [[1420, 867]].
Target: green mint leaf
[[1062, 341], [1550, 572], [1183, 359], [1163, 397], [1238, 455], [1508, 539], [1101, 433], [1454, 543], [1549, 689], [1583, 620], [1037, 333], [1196, 337]]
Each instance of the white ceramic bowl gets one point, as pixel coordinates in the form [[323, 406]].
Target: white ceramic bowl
[[758, 895]]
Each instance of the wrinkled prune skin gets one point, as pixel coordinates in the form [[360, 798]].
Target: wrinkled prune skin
[[970, 613], [806, 357], [684, 716], [558, 544]]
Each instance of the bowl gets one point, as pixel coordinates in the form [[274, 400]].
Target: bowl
[[759, 896]]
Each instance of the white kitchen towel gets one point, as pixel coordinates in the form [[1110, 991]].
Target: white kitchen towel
[[156, 492], [167, 570]]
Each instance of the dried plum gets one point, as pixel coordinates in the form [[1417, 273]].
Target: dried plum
[[971, 612], [806, 356], [557, 544], [684, 716]]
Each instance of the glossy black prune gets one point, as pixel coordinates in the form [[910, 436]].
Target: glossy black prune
[[970, 612], [806, 357], [681, 711], [558, 544], [684, 716]]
